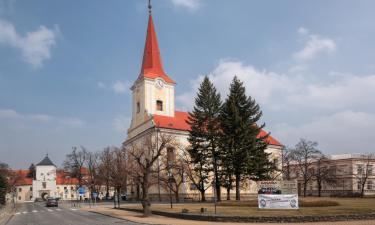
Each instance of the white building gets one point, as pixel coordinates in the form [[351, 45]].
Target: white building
[[45, 183], [49, 182]]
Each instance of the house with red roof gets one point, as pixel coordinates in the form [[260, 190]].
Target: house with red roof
[[153, 103], [48, 182]]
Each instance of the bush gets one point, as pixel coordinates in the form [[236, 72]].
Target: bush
[[318, 203], [302, 203], [346, 194], [251, 203]]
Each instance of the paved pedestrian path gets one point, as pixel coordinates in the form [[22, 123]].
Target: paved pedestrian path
[[154, 219]]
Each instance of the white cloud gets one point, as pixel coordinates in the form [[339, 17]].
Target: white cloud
[[121, 124], [120, 87], [8, 113], [35, 46], [283, 91], [341, 107], [189, 4], [314, 45], [23, 119], [263, 85], [343, 132], [303, 31], [101, 85], [71, 122]]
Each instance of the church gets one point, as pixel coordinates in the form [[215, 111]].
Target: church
[[153, 108]]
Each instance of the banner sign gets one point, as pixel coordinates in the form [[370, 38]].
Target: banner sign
[[277, 187], [277, 201]]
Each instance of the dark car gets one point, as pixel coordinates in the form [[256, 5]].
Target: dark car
[[52, 202]]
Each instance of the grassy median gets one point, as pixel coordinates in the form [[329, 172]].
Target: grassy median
[[308, 206]]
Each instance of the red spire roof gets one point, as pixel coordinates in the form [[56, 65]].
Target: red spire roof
[[152, 66]]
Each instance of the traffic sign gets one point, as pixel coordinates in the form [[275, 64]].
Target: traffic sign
[[81, 190]]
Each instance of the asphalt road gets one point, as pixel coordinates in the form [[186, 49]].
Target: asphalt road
[[38, 214]]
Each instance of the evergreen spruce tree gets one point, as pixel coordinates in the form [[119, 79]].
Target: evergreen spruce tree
[[3, 188], [244, 149], [204, 135], [32, 171]]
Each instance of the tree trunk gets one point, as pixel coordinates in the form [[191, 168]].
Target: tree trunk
[[177, 196], [304, 188], [217, 182], [107, 190], [118, 197], [238, 180], [228, 193], [363, 190], [218, 192], [319, 189], [145, 200], [203, 195]]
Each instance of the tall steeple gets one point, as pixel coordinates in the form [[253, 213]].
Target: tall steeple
[[152, 66]]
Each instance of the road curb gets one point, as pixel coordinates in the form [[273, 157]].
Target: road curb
[[116, 217], [260, 219]]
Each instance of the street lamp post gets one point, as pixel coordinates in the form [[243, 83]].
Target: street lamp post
[[170, 181]]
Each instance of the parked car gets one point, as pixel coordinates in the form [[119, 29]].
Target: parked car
[[52, 202], [38, 200], [124, 197]]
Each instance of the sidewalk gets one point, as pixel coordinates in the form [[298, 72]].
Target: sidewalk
[[5, 213], [154, 219]]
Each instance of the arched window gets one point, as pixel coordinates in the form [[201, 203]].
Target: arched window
[[170, 156], [159, 105], [138, 107]]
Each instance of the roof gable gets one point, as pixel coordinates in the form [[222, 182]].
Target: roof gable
[[46, 162]]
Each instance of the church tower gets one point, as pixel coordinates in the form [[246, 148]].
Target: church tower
[[153, 91]]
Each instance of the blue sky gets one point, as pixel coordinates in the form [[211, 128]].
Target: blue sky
[[66, 68]]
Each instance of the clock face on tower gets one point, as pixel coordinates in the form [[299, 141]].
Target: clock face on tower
[[159, 83]]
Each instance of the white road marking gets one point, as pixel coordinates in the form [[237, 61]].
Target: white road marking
[[74, 209], [24, 212], [58, 209], [34, 211], [50, 210], [18, 213]]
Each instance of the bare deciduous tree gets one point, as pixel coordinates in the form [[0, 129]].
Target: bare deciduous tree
[[304, 155], [325, 172], [105, 168], [92, 163], [119, 172], [364, 170], [197, 174], [287, 159], [145, 153], [173, 174], [75, 162]]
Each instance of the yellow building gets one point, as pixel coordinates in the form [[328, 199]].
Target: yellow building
[[153, 109]]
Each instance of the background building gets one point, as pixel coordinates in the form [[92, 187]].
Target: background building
[[341, 175], [48, 182]]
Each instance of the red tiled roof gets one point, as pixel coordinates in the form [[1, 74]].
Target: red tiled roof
[[21, 178], [152, 66], [63, 178], [179, 122]]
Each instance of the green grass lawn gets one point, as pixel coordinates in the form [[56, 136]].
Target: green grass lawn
[[249, 208]]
